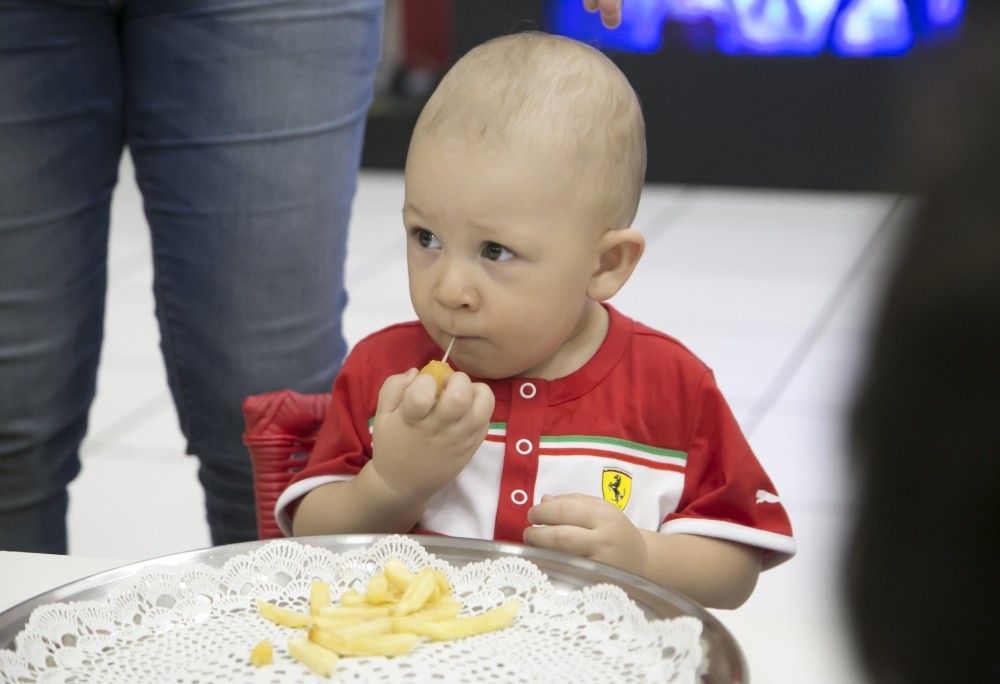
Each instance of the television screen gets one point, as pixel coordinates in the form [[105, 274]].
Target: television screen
[[848, 28]]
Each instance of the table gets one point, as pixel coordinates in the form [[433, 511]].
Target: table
[[24, 575]]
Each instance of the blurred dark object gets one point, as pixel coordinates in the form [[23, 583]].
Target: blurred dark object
[[922, 575]]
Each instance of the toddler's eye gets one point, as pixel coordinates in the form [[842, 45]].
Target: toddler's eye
[[427, 239], [496, 252]]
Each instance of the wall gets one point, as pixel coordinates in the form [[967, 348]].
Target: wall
[[785, 122]]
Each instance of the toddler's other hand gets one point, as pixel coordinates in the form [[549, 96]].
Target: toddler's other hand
[[589, 527], [421, 444]]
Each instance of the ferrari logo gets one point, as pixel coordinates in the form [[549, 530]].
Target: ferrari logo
[[617, 487]]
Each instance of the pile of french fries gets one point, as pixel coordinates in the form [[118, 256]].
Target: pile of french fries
[[398, 609]]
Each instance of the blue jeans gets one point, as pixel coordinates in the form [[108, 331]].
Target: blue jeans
[[244, 119]]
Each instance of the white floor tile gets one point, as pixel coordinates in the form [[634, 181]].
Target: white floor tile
[[131, 333], [681, 287], [745, 363], [364, 318], [149, 431], [377, 232], [799, 231], [125, 505], [792, 629], [803, 452], [124, 395], [657, 208], [826, 376]]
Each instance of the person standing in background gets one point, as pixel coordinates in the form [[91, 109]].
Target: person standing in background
[[245, 120]]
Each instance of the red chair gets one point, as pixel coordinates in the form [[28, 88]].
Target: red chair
[[281, 429]]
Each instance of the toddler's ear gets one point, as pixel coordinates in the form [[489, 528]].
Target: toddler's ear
[[618, 253]]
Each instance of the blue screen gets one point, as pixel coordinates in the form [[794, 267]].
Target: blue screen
[[849, 28]]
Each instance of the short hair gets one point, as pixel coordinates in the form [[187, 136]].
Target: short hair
[[531, 86]]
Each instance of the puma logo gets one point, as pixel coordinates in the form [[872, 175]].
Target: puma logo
[[764, 496]]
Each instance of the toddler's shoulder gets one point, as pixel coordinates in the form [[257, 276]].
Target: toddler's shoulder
[[659, 347]]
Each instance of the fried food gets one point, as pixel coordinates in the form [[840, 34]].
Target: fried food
[[319, 597], [282, 616], [391, 644], [398, 609], [439, 370], [315, 657], [398, 574], [421, 590], [262, 654], [461, 627]]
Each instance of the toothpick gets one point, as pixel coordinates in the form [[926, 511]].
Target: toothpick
[[448, 351]]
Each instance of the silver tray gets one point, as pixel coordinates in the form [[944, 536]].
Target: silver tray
[[726, 663]]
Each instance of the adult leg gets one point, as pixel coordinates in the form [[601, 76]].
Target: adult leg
[[60, 142], [245, 122]]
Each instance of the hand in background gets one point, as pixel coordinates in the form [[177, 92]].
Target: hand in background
[[611, 11], [419, 444], [589, 527]]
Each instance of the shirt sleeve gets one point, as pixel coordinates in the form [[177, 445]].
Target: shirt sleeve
[[343, 444], [727, 494]]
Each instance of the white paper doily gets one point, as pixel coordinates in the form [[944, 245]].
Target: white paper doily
[[196, 625]]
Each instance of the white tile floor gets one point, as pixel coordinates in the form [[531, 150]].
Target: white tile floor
[[773, 289]]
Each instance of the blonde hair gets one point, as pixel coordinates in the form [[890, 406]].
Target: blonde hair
[[532, 88]]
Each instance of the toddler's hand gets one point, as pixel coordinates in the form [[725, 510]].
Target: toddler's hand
[[589, 527], [421, 444]]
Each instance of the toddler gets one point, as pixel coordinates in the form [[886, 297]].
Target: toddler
[[567, 426]]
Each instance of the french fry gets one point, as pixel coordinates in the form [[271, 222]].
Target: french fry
[[352, 597], [319, 597], [459, 628], [445, 608], [419, 592], [440, 608], [336, 618], [379, 590], [335, 624], [382, 625], [415, 623], [398, 608], [378, 645], [444, 586], [364, 612], [262, 654], [282, 616], [398, 574], [316, 658]]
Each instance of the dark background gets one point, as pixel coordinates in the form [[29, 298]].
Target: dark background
[[826, 122]]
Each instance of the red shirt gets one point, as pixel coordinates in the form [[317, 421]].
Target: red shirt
[[642, 424]]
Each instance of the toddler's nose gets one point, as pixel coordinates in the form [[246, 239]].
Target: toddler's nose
[[454, 287]]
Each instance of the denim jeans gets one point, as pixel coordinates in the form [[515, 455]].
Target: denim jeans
[[244, 119]]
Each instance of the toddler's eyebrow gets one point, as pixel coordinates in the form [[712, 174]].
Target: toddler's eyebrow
[[411, 211]]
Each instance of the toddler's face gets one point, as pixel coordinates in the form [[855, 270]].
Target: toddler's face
[[500, 255]]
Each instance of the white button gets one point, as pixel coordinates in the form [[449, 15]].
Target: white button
[[519, 497], [528, 390], [523, 446]]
